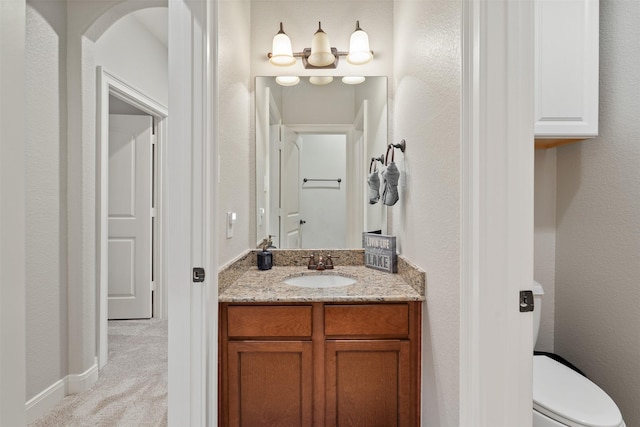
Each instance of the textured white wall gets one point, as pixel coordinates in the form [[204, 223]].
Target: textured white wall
[[12, 212], [129, 51], [46, 285], [598, 237], [262, 172], [427, 94], [237, 175], [375, 91], [544, 250]]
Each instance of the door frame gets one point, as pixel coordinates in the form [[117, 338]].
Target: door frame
[[110, 84], [192, 192], [496, 224]]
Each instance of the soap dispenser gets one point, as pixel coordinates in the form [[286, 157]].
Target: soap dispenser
[[265, 257]]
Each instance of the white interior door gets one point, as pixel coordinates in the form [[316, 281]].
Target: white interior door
[[130, 186], [323, 203], [290, 190]]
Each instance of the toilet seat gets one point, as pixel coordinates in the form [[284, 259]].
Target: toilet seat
[[567, 397]]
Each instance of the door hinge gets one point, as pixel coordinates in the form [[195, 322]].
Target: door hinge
[[526, 301], [153, 286], [198, 274]]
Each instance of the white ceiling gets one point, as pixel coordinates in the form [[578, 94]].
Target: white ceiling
[[156, 20]]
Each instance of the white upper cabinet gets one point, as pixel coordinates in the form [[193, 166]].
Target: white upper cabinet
[[566, 69]]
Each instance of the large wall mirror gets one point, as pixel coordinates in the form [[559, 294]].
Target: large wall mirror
[[314, 151]]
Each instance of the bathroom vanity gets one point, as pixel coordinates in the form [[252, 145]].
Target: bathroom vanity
[[343, 356]]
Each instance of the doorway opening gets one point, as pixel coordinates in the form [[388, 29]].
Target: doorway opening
[[120, 207]]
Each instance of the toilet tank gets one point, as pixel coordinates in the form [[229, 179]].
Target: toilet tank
[[537, 308]]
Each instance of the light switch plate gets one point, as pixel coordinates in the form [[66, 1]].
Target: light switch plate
[[231, 220]]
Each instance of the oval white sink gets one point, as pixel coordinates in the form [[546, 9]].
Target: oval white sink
[[320, 281]]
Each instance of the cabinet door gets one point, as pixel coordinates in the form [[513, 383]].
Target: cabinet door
[[368, 383], [270, 383], [566, 68]]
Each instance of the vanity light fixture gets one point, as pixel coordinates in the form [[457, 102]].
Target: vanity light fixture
[[287, 80], [321, 54], [282, 53], [359, 52], [320, 80], [353, 80]]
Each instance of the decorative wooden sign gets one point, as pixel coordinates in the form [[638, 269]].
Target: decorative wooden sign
[[380, 252]]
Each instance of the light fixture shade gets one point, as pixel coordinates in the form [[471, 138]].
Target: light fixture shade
[[282, 53], [321, 55], [320, 80], [287, 80], [359, 52], [353, 80]]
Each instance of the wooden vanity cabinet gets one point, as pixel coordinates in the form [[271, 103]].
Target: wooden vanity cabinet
[[320, 364], [368, 364], [266, 365]]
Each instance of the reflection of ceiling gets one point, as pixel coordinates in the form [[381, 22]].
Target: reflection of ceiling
[[156, 21]]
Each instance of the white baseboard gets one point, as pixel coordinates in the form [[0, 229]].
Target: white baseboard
[[46, 400]]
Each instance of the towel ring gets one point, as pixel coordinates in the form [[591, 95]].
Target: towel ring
[[393, 155], [402, 145]]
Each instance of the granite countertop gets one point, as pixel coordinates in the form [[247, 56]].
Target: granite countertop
[[254, 285]]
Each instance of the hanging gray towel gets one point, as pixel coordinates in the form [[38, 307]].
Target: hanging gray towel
[[374, 184], [390, 179]]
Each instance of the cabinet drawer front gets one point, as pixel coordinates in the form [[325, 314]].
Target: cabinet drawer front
[[386, 320], [269, 321]]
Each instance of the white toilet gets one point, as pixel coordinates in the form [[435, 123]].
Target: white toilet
[[563, 397]]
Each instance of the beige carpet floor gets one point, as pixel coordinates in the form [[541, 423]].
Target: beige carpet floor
[[132, 387]]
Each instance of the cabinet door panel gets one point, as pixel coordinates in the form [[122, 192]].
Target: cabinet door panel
[[566, 68], [270, 384], [368, 383]]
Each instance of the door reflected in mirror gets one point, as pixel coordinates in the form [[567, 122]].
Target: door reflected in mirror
[[314, 149]]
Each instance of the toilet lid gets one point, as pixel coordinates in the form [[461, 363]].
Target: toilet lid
[[566, 396]]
